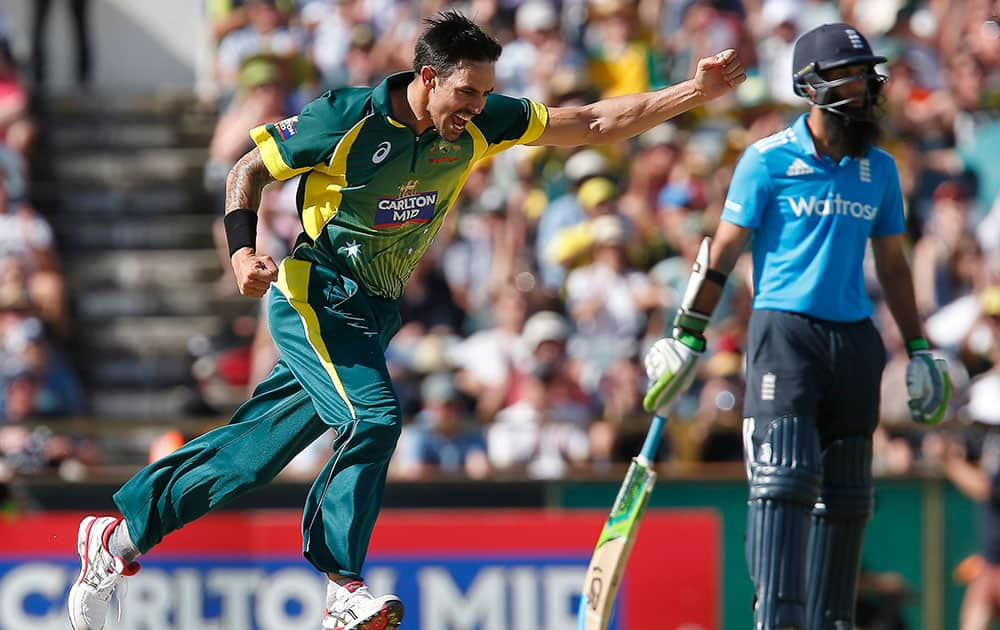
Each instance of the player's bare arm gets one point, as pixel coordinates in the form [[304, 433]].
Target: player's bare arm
[[927, 380], [246, 180], [622, 117], [897, 283]]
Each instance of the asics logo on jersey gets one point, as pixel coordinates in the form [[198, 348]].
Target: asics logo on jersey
[[831, 205], [381, 152], [798, 167]]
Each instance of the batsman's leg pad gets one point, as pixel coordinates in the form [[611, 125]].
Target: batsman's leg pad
[[783, 460], [838, 528]]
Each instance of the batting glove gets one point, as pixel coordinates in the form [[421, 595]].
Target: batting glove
[[670, 367], [927, 383]]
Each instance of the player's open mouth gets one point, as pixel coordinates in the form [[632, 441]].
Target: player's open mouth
[[457, 123]]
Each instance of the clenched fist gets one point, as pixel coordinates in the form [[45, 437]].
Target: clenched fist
[[719, 73], [254, 274]]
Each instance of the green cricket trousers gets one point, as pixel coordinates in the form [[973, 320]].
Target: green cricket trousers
[[332, 373]]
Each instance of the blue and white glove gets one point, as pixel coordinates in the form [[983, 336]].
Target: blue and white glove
[[670, 367], [927, 383]]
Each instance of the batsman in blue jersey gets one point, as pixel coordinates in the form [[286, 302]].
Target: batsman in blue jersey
[[810, 199]]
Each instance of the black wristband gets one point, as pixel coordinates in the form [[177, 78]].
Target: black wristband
[[716, 277], [241, 229]]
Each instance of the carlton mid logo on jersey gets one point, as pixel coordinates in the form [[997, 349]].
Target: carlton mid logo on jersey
[[409, 207], [836, 205]]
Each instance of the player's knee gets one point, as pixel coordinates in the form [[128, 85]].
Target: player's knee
[[847, 489], [785, 462]]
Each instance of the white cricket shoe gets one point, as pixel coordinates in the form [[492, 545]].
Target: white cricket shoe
[[100, 574], [352, 607]]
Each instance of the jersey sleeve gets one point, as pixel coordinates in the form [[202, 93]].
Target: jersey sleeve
[[889, 219], [506, 122], [294, 145], [749, 191]]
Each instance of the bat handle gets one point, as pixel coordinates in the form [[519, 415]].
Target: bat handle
[[652, 443]]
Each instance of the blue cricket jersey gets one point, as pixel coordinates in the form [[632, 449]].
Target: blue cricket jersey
[[811, 219]]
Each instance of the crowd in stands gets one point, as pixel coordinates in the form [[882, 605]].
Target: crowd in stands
[[526, 322], [36, 378]]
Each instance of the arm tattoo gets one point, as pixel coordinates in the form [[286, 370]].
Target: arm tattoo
[[245, 181]]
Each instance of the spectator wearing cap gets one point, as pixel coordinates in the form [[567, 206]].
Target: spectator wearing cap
[[571, 246], [442, 440], [566, 211], [519, 71], [540, 433], [267, 33], [542, 353]]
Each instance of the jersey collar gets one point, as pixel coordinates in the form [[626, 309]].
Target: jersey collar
[[804, 137], [381, 103]]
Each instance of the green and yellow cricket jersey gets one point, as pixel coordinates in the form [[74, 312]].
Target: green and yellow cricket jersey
[[373, 194]]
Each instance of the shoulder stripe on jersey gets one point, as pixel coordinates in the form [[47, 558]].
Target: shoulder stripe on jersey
[[327, 189], [538, 118], [776, 140], [293, 282], [272, 156]]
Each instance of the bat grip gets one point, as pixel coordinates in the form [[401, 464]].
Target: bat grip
[[652, 443]]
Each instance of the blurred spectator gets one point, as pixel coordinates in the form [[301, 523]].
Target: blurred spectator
[[484, 359], [720, 408], [267, 32], [621, 429], [29, 261], [533, 437], [261, 98], [947, 255], [608, 300], [566, 211], [36, 380], [442, 439]]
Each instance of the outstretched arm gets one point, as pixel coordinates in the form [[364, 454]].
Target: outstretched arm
[[246, 180], [622, 117]]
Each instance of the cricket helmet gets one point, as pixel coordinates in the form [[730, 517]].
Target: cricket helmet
[[832, 46]]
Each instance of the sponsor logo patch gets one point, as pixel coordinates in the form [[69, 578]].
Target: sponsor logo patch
[[798, 167], [381, 152], [831, 205], [409, 207], [287, 127]]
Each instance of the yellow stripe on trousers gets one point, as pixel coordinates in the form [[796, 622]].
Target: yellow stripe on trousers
[[293, 282]]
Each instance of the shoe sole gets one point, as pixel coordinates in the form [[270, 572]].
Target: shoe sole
[[386, 618], [82, 544]]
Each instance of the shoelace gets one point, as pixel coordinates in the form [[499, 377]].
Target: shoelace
[[110, 580], [335, 615]]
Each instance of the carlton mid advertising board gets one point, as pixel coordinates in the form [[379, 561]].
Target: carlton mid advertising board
[[454, 570]]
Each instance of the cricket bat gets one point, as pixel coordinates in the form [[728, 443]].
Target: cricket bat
[[615, 542]]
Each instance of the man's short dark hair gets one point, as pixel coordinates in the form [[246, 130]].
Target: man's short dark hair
[[451, 38]]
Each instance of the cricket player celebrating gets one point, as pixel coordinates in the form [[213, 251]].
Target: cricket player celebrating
[[380, 168], [810, 197]]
